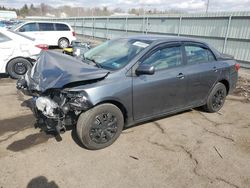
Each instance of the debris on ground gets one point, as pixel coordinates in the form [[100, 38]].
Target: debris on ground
[[243, 89], [133, 157]]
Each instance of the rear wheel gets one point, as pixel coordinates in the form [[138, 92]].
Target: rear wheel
[[216, 98], [63, 43], [18, 67], [100, 126]]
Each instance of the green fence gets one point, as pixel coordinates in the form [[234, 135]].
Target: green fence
[[228, 32]]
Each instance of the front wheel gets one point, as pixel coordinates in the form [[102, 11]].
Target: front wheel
[[100, 126], [216, 98]]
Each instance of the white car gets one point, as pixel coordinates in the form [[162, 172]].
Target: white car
[[18, 53], [51, 33]]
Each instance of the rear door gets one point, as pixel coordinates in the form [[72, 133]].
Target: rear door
[[201, 72], [166, 89], [63, 30], [47, 33]]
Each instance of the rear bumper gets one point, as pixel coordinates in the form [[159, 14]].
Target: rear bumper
[[233, 82]]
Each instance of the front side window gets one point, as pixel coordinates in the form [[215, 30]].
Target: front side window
[[29, 27], [46, 26], [165, 58], [4, 38], [197, 54], [62, 27], [115, 54]]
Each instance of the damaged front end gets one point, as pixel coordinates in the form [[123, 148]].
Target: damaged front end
[[51, 81], [59, 109]]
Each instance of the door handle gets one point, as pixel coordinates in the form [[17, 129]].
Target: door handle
[[180, 76], [215, 69]]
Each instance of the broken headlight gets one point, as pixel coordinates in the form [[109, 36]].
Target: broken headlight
[[78, 101]]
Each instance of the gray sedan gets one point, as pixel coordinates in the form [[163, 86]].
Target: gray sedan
[[126, 81]]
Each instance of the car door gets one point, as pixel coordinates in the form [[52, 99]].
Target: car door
[[48, 33], [63, 30], [201, 72], [30, 30], [163, 91], [7, 49]]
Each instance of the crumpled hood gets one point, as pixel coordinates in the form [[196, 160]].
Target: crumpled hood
[[55, 70]]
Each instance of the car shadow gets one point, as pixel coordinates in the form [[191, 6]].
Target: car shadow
[[158, 118], [79, 143], [4, 75], [41, 182], [17, 125]]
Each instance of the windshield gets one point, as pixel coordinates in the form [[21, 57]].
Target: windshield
[[115, 54]]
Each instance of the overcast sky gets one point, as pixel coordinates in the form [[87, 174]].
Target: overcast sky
[[188, 5]]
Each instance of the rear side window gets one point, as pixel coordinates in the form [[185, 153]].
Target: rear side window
[[4, 38], [197, 54], [46, 26], [29, 27], [62, 27], [165, 58]]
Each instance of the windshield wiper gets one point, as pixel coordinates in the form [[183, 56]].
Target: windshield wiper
[[93, 61]]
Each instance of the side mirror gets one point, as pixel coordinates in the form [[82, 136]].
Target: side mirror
[[145, 69], [21, 30]]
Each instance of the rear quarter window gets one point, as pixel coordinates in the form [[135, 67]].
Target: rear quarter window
[[62, 27], [4, 38], [46, 26]]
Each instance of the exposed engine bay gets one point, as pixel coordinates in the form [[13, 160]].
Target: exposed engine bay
[[60, 108]]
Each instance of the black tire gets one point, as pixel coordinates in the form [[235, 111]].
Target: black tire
[[96, 131], [18, 67], [216, 98], [63, 43]]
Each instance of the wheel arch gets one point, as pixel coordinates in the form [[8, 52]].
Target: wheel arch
[[63, 38], [117, 104], [225, 82]]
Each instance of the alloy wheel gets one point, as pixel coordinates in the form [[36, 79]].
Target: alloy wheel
[[218, 99], [104, 128]]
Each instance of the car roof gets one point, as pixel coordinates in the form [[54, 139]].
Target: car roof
[[165, 38], [44, 22]]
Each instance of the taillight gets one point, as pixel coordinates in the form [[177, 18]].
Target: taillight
[[237, 66], [73, 33], [42, 46]]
